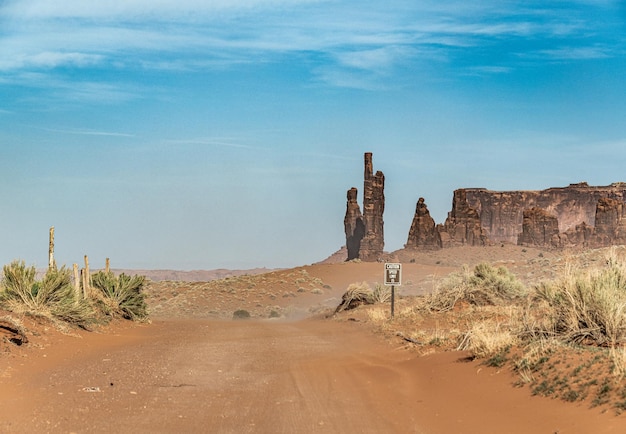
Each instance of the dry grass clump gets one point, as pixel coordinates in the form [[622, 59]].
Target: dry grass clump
[[488, 338], [483, 286], [120, 296], [361, 293], [356, 295], [52, 297], [381, 294], [55, 297], [587, 306]]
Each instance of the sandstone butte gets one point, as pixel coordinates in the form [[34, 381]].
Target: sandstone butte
[[578, 215]]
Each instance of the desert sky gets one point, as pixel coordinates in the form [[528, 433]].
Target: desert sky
[[195, 134]]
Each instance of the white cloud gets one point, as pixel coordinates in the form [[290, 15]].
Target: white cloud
[[197, 34], [490, 69], [135, 9], [211, 141], [81, 132], [374, 59], [50, 59], [575, 53]]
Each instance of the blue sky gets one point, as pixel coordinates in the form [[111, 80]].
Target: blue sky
[[197, 134]]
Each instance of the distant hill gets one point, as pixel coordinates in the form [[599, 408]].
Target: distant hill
[[191, 276]]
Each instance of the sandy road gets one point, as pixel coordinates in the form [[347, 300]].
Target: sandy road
[[197, 376], [227, 377]]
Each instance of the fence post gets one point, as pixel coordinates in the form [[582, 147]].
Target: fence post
[[51, 264], [76, 282], [87, 277], [107, 266], [83, 277]]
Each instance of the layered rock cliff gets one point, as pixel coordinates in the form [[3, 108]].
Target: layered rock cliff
[[577, 215]]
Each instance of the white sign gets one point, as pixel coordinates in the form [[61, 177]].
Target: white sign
[[393, 274]]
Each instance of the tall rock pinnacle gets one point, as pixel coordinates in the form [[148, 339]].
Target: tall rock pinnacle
[[365, 233]]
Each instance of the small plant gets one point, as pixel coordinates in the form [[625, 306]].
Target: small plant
[[498, 360], [356, 295], [120, 296], [381, 294], [488, 339], [587, 307], [52, 297], [273, 314], [485, 285], [241, 314]]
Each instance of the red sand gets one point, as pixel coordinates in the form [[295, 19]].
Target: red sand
[[316, 375], [261, 377]]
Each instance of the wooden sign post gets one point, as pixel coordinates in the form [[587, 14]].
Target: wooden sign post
[[393, 277]]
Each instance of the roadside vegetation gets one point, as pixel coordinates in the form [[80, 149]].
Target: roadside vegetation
[[564, 338], [58, 299]]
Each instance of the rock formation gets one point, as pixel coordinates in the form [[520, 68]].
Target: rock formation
[[423, 232], [365, 233], [539, 228], [610, 223], [577, 215], [501, 212], [353, 225], [463, 225]]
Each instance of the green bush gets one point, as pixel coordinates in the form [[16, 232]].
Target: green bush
[[52, 297], [120, 296], [241, 314]]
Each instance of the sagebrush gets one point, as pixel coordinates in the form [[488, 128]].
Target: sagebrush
[[483, 285]]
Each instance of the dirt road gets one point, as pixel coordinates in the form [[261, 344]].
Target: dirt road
[[198, 376]]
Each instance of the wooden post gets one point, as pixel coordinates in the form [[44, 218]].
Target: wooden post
[[87, 278], [107, 266], [83, 276], [393, 300], [76, 282], [51, 264]]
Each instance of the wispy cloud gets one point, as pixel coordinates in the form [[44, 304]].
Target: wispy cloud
[[211, 141], [49, 59], [82, 132], [489, 70], [137, 9], [354, 47], [574, 53]]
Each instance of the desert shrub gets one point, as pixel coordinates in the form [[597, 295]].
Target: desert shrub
[[483, 286], [356, 295], [361, 293], [120, 296], [273, 314], [241, 314], [587, 306], [381, 294], [52, 297], [488, 339]]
